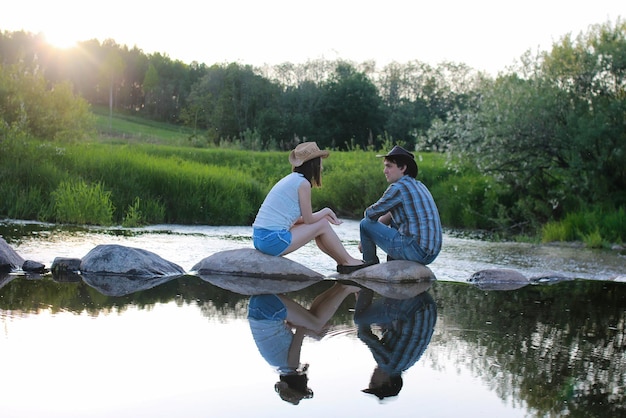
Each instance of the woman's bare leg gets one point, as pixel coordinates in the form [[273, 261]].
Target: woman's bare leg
[[322, 309], [326, 239]]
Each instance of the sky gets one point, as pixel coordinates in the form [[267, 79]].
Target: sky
[[488, 35]]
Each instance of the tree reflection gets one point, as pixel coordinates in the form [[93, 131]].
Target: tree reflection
[[559, 348], [554, 349]]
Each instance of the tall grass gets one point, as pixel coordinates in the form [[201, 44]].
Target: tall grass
[[597, 227], [137, 183], [78, 202]]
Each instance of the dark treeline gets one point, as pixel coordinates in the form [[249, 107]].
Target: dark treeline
[[338, 104], [551, 129]]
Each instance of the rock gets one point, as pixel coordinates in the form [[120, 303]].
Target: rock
[[549, 279], [66, 270], [127, 261], [9, 259], [392, 272], [33, 266], [498, 279], [63, 264], [396, 279], [252, 263]]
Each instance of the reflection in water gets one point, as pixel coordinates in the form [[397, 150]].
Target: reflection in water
[[279, 325], [543, 350], [406, 327]]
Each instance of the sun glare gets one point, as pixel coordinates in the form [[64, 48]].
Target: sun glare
[[61, 40]]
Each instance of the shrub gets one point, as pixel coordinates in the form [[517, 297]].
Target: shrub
[[80, 203]]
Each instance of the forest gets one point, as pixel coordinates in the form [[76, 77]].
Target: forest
[[550, 130]]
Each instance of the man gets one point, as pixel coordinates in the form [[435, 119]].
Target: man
[[404, 222]]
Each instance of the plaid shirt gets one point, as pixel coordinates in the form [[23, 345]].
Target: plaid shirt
[[413, 212]]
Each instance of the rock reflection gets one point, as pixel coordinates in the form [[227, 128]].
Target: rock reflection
[[121, 285], [404, 329], [279, 325]]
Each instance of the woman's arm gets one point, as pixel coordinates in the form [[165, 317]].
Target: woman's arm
[[306, 209]]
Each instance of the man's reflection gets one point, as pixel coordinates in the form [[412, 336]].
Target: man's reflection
[[406, 327], [279, 325]]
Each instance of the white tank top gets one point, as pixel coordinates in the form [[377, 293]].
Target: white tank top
[[281, 207]]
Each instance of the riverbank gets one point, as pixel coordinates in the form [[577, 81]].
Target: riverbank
[[133, 181]]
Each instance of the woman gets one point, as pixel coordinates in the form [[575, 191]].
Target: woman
[[286, 221]]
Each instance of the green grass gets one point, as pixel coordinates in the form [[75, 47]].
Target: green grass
[[133, 129], [150, 173]]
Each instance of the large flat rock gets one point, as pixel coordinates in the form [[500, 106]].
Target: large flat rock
[[248, 262], [392, 272]]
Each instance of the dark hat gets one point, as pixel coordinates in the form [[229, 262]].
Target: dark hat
[[398, 151], [404, 156]]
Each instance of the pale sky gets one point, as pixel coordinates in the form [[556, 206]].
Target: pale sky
[[484, 34]]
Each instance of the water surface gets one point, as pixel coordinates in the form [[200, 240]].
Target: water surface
[[184, 347]]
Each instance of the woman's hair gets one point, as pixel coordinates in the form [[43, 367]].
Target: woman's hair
[[312, 171]]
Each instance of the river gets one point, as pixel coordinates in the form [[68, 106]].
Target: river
[[185, 347]]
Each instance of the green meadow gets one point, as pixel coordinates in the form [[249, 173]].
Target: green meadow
[[136, 172]]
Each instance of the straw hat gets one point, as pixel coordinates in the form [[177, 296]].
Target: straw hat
[[304, 152]]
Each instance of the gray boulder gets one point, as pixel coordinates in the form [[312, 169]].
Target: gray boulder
[[127, 261], [252, 263], [498, 279], [396, 279], [549, 279], [392, 272], [64, 265], [66, 269], [33, 267], [9, 259]]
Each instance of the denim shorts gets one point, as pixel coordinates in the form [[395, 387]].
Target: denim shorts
[[271, 242], [268, 307]]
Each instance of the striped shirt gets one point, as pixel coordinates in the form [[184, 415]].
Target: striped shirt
[[413, 212]]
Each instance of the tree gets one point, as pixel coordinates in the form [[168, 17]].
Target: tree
[[350, 110], [30, 107], [230, 100], [553, 132]]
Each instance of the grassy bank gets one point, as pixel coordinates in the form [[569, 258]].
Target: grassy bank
[[136, 173]]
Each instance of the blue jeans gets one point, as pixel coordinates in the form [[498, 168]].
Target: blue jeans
[[271, 242], [396, 245]]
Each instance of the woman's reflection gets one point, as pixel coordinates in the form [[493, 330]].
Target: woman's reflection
[[279, 325], [406, 326]]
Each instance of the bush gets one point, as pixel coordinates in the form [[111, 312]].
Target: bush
[[80, 203]]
